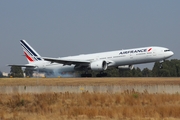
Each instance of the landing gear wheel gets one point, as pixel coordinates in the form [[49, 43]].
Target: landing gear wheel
[[161, 64], [86, 75]]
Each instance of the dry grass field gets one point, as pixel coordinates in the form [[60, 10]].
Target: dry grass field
[[85, 106], [88, 81]]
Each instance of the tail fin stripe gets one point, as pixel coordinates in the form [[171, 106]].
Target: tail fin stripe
[[29, 58], [28, 48], [25, 49], [35, 58], [30, 53]]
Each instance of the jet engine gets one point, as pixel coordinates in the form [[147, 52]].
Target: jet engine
[[98, 65], [126, 67]]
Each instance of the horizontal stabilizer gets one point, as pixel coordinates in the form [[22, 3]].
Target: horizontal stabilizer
[[23, 65]]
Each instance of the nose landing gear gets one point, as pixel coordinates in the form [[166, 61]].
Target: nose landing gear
[[161, 64]]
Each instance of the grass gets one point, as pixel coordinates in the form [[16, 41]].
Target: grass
[[128, 105], [88, 81], [55, 106]]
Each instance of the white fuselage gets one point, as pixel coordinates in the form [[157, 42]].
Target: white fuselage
[[114, 58]]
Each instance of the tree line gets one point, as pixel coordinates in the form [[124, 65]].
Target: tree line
[[169, 68]]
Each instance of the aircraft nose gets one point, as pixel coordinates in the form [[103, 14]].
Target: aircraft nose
[[168, 53], [172, 53]]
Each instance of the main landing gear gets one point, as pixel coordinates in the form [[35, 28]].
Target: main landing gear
[[101, 74], [86, 75]]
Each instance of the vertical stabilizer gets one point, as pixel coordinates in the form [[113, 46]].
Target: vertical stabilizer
[[30, 53]]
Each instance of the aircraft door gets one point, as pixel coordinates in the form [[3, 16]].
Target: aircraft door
[[131, 56], [97, 58], [154, 52]]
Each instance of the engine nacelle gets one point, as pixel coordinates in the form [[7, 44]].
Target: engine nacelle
[[98, 65], [126, 67]]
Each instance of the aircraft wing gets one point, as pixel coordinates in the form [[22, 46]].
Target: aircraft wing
[[23, 65], [65, 61]]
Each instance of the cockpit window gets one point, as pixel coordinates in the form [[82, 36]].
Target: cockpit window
[[166, 50]]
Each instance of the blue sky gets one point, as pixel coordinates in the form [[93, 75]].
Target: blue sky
[[60, 28]]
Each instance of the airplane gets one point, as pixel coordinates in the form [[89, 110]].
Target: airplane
[[120, 59]]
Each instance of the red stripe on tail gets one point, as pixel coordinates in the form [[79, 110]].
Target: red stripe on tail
[[29, 58]]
